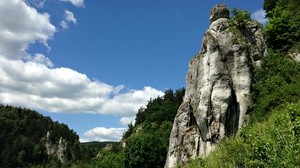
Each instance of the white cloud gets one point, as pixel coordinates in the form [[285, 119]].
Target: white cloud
[[127, 104], [77, 3], [260, 16], [69, 18], [127, 120], [36, 3], [34, 84], [20, 26], [104, 134], [32, 81], [64, 24], [40, 59]]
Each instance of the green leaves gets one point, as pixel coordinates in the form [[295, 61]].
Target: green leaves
[[282, 30], [271, 143], [21, 134], [240, 18], [145, 150], [277, 82]]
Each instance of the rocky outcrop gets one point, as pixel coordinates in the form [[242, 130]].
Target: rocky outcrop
[[217, 87], [295, 56], [59, 151]]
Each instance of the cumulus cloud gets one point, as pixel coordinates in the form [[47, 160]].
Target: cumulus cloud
[[40, 59], [127, 104], [69, 18], [260, 16], [36, 3], [127, 120], [35, 85], [77, 3], [104, 134], [20, 26], [34, 82]]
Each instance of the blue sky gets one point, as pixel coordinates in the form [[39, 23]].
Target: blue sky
[[92, 63]]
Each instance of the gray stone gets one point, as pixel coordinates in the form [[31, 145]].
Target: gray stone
[[295, 56], [59, 151], [218, 85], [219, 11]]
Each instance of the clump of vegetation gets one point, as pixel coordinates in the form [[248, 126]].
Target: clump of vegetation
[[240, 18], [275, 84], [111, 156], [238, 24], [282, 30]]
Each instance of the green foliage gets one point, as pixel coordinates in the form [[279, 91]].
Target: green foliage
[[144, 150], [282, 30], [240, 18], [21, 134], [162, 108], [269, 5], [129, 131], [90, 150], [107, 158], [277, 82], [272, 143], [158, 110], [148, 140]]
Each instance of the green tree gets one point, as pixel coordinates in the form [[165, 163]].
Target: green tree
[[144, 151], [282, 30], [276, 83], [240, 18]]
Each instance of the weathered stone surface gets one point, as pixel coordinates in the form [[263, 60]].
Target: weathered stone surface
[[219, 11], [217, 87], [59, 151], [295, 56]]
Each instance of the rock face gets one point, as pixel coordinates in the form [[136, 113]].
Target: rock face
[[59, 151], [295, 56], [217, 87]]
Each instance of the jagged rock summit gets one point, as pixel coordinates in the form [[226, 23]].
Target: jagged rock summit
[[218, 85], [219, 11]]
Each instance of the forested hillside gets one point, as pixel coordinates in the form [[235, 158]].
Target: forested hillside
[[23, 138]]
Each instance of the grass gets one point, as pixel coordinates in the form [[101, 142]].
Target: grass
[[274, 142]]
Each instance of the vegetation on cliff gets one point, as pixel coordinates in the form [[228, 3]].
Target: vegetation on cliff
[[283, 33]]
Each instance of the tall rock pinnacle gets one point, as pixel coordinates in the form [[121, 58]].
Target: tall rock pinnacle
[[217, 87]]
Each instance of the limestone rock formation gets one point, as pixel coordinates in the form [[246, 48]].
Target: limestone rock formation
[[217, 87], [59, 151], [295, 56]]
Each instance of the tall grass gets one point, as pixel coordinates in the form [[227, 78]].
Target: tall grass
[[272, 143]]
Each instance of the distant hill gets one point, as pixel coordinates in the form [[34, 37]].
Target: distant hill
[[25, 134]]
